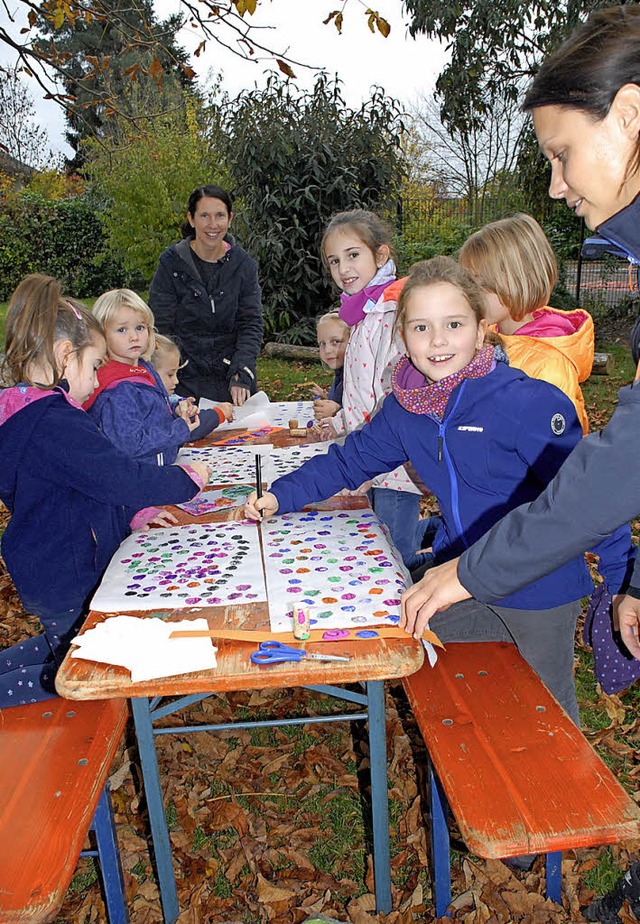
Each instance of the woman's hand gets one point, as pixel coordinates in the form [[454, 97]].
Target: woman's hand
[[437, 591], [626, 615], [258, 507], [324, 408], [239, 394]]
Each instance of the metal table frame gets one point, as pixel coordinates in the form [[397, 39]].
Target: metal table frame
[[146, 711]]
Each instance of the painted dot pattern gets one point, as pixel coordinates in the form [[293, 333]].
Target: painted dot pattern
[[339, 564], [186, 566]]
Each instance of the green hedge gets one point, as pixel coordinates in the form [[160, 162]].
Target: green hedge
[[64, 238]]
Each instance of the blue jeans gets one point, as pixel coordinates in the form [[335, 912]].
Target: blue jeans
[[400, 513]]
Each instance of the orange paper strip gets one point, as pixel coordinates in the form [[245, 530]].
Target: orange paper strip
[[315, 635]]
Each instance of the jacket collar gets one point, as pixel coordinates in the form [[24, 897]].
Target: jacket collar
[[622, 229]]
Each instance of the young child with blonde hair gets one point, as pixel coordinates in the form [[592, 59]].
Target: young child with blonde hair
[[131, 405], [515, 265], [333, 335]]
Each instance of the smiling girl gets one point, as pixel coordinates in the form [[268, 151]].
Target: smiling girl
[[357, 251], [456, 413]]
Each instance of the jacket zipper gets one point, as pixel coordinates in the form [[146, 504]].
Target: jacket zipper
[[443, 452]]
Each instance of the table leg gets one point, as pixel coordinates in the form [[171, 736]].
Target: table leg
[[379, 795], [155, 805]]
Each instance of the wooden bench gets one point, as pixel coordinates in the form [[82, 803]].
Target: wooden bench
[[54, 761], [518, 775]]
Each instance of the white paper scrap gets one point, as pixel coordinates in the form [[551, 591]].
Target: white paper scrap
[[144, 647]]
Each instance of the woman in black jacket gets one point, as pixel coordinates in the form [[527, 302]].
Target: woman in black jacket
[[205, 295]]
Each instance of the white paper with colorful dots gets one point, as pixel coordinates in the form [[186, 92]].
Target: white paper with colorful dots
[[340, 564]]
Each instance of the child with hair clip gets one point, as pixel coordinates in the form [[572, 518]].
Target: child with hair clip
[[131, 405], [515, 265], [333, 335], [165, 359], [73, 497], [456, 413], [356, 249]]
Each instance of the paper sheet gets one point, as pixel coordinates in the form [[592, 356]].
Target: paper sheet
[[217, 499], [208, 564], [230, 464], [144, 647], [340, 564], [289, 459], [258, 411]]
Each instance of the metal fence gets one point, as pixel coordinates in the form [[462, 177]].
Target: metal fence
[[606, 285]]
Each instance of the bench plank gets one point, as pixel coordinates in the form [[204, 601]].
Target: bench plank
[[55, 757], [520, 778]]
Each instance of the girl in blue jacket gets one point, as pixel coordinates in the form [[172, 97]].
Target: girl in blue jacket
[[131, 405], [485, 438], [71, 494]]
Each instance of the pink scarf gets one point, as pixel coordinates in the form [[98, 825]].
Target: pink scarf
[[414, 393], [354, 307]]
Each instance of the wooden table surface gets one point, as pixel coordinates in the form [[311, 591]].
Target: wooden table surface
[[375, 659]]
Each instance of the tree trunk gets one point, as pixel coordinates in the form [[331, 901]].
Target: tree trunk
[[290, 351]]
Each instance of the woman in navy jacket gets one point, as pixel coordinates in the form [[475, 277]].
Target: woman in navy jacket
[[585, 102], [205, 295]]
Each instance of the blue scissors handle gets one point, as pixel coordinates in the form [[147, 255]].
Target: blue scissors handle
[[273, 652]]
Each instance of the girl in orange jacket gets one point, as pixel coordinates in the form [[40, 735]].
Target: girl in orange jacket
[[514, 263]]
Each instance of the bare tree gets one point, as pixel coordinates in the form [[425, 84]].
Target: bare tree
[[22, 138], [30, 29], [474, 163]]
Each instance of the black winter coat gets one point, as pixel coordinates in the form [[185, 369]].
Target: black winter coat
[[219, 333]]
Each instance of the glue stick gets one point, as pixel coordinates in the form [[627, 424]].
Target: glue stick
[[301, 623]]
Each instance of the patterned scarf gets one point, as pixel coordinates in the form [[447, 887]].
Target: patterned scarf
[[414, 393], [354, 307]]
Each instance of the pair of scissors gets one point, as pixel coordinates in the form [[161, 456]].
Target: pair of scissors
[[273, 652]]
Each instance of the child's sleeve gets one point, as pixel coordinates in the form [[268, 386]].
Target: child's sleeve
[[210, 418], [136, 420], [81, 456], [366, 453]]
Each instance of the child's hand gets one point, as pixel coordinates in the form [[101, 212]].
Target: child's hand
[[163, 518], [324, 408], [193, 422], [258, 507], [327, 430], [227, 410], [317, 391], [186, 408], [202, 471]]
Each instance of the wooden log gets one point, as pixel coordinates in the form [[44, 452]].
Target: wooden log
[[290, 351], [602, 364]]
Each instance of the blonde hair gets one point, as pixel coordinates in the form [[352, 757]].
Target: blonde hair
[[371, 230], [107, 304], [331, 316], [38, 317], [431, 272], [163, 345], [513, 259]]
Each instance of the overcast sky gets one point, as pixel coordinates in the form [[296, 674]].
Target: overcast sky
[[404, 67]]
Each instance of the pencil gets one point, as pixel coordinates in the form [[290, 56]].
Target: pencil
[[259, 477]]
